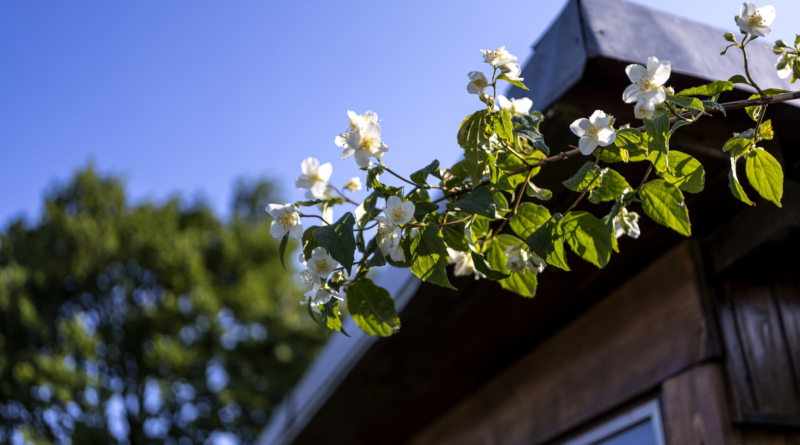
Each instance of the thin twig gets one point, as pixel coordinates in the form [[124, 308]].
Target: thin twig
[[519, 199], [315, 216], [596, 161], [343, 196], [647, 173]]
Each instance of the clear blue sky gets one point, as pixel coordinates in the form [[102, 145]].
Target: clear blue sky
[[187, 95]]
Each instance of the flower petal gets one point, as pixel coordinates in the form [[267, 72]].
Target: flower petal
[[767, 14], [636, 72], [362, 158], [580, 127], [347, 152], [309, 165], [598, 119], [303, 182], [341, 140], [587, 145], [523, 105], [275, 210], [747, 9], [296, 231], [606, 136], [660, 73], [652, 62], [631, 94], [408, 208], [655, 95], [277, 230], [393, 202], [761, 31], [324, 171], [372, 130]]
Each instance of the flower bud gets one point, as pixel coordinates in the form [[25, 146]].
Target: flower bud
[[414, 232], [337, 277], [670, 91], [611, 120], [730, 37], [485, 98], [781, 44]]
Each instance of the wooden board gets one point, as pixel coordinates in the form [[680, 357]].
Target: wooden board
[[649, 329]]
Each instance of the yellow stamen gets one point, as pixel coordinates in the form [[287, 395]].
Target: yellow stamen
[[322, 265], [398, 214], [285, 220]]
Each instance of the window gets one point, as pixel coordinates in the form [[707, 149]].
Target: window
[[639, 426]]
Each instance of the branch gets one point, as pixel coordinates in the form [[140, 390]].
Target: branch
[[737, 105]]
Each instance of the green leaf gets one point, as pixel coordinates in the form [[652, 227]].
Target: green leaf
[[538, 193], [686, 102], [738, 79], [455, 238], [589, 237], [282, 248], [536, 138], [478, 202], [765, 130], [338, 238], [482, 267], [629, 142], [765, 175], [516, 83], [424, 208], [420, 176], [612, 185], [496, 175], [471, 130], [737, 146], [429, 256], [372, 176], [500, 124], [548, 242], [309, 242], [664, 203], [710, 90], [501, 203], [479, 227], [755, 111], [523, 284], [587, 178], [714, 104], [528, 218], [330, 316], [685, 172], [528, 120], [735, 186], [372, 308], [310, 203], [370, 212], [377, 259], [475, 162], [658, 145]]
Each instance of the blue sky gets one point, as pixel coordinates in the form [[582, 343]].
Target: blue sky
[[187, 95]]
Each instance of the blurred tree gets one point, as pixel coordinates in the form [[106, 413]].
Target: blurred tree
[[145, 323]]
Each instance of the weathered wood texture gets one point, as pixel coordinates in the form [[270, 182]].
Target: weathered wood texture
[[647, 330], [760, 325], [767, 437], [696, 408]]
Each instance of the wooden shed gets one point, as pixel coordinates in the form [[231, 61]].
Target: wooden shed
[[677, 341]]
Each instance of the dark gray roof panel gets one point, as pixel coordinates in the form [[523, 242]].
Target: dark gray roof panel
[[620, 30]]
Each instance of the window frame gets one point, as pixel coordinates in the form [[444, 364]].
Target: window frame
[[648, 411]]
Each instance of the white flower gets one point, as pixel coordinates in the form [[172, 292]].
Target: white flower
[[365, 143], [389, 237], [306, 279], [477, 82], [498, 57], [755, 21], [464, 264], [358, 122], [515, 106], [626, 223], [313, 173], [786, 71], [512, 71], [286, 220], [324, 294], [647, 88], [593, 132], [353, 184], [321, 264], [397, 211], [644, 109], [520, 260]]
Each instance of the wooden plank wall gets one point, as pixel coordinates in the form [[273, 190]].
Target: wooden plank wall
[[649, 329]]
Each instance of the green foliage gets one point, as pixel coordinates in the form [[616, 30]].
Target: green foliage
[[528, 127], [589, 237], [499, 123], [538, 193], [588, 178], [420, 176], [658, 145], [685, 172], [690, 103], [471, 132], [455, 238], [282, 249], [528, 218], [738, 79], [330, 316], [309, 242], [339, 240], [765, 175], [429, 257], [372, 308], [479, 202], [765, 130], [738, 146], [663, 202], [146, 291], [548, 242], [612, 185], [516, 83], [482, 267], [735, 186], [711, 90]]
